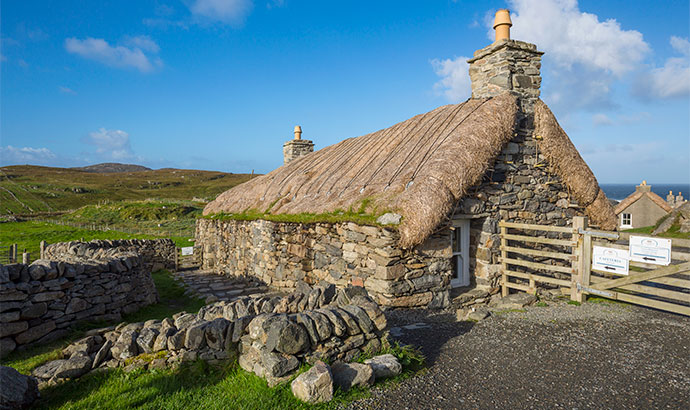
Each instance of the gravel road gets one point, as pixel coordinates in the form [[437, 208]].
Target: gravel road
[[598, 355]]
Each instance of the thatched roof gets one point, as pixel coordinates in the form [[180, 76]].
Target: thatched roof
[[567, 163], [637, 195], [418, 168]]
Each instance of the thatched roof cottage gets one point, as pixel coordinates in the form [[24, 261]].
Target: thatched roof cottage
[[442, 181]]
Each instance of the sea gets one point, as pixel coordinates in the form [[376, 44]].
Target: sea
[[621, 191]]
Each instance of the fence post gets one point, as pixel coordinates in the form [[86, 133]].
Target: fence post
[[13, 253], [43, 249], [585, 263], [579, 222], [177, 259], [504, 265], [26, 257]]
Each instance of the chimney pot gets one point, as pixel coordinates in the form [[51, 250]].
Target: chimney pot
[[502, 24], [298, 132]]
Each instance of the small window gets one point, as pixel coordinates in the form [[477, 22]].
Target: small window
[[626, 220]]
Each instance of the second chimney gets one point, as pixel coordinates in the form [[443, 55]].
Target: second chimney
[[296, 147]]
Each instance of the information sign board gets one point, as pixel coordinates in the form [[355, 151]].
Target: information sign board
[[656, 251], [610, 260], [188, 250]]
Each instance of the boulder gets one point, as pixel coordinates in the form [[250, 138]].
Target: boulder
[[514, 301], [102, 355], [287, 337], [7, 346], [348, 375], [161, 342], [126, 345], [385, 365], [18, 391], [76, 366], [278, 365], [146, 339], [315, 385], [48, 370], [215, 333], [176, 341], [196, 336]]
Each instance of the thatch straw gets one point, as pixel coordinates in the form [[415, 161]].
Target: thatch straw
[[567, 163], [420, 168]]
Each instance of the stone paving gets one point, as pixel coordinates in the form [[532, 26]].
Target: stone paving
[[213, 287]]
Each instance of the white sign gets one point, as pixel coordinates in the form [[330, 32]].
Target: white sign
[[189, 250], [610, 260], [650, 250]]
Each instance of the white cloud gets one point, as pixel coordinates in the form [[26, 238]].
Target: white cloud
[[233, 12], [275, 3], [584, 55], [571, 36], [113, 144], [455, 79], [132, 56], [672, 80], [25, 155], [601, 119], [66, 90], [143, 42]]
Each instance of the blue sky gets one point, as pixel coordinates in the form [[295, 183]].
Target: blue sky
[[220, 84]]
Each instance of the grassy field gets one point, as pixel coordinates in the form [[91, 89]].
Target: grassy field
[[28, 189], [28, 235], [194, 386]]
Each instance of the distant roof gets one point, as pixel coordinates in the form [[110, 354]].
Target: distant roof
[[636, 196], [418, 168]]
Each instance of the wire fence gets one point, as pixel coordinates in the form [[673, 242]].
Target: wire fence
[[152, 231]]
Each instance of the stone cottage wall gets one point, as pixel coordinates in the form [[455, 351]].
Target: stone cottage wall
[[155, 253], [40, 301], [519, 187], [281, 254]]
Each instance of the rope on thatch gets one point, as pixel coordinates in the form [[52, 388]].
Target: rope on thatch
[[567, 163], [419, 168]]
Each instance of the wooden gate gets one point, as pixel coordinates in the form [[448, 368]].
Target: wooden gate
[[540, 254], [184, 260]]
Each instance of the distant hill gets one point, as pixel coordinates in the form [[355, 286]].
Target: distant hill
[[28, 189], [111, 167]]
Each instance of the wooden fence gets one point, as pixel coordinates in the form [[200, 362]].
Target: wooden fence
[[562, 256]]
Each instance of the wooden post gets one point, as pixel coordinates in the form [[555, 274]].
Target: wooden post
[[26, 256], [585, 263], [504, 265], [579, 222], [13, 253], [43, 249], [177, 259]]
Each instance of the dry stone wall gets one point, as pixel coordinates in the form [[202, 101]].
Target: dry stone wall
[[155, 253], [283, 254], [40, 301], [273, 336]]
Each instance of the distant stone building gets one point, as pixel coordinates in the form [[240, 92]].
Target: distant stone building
[[642, 208]]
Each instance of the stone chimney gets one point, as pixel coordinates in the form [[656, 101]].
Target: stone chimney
[[643, 187], [670, 199], [296, 147], [507, 65]]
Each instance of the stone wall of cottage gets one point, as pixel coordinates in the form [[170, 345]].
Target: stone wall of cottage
[[40, 301], [281, 254], [519, 186]]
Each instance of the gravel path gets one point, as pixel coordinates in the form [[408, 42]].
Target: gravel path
[[597, 355]]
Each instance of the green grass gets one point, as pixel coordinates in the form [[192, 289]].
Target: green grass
[[172, 300], [574, 303], [28, 189], [672, 232], [29, 234], [303, 218]]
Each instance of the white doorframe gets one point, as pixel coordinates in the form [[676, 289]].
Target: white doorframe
[[460, 245]]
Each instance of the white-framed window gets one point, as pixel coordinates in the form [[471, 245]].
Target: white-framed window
[[460, 243], [626, 220]]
